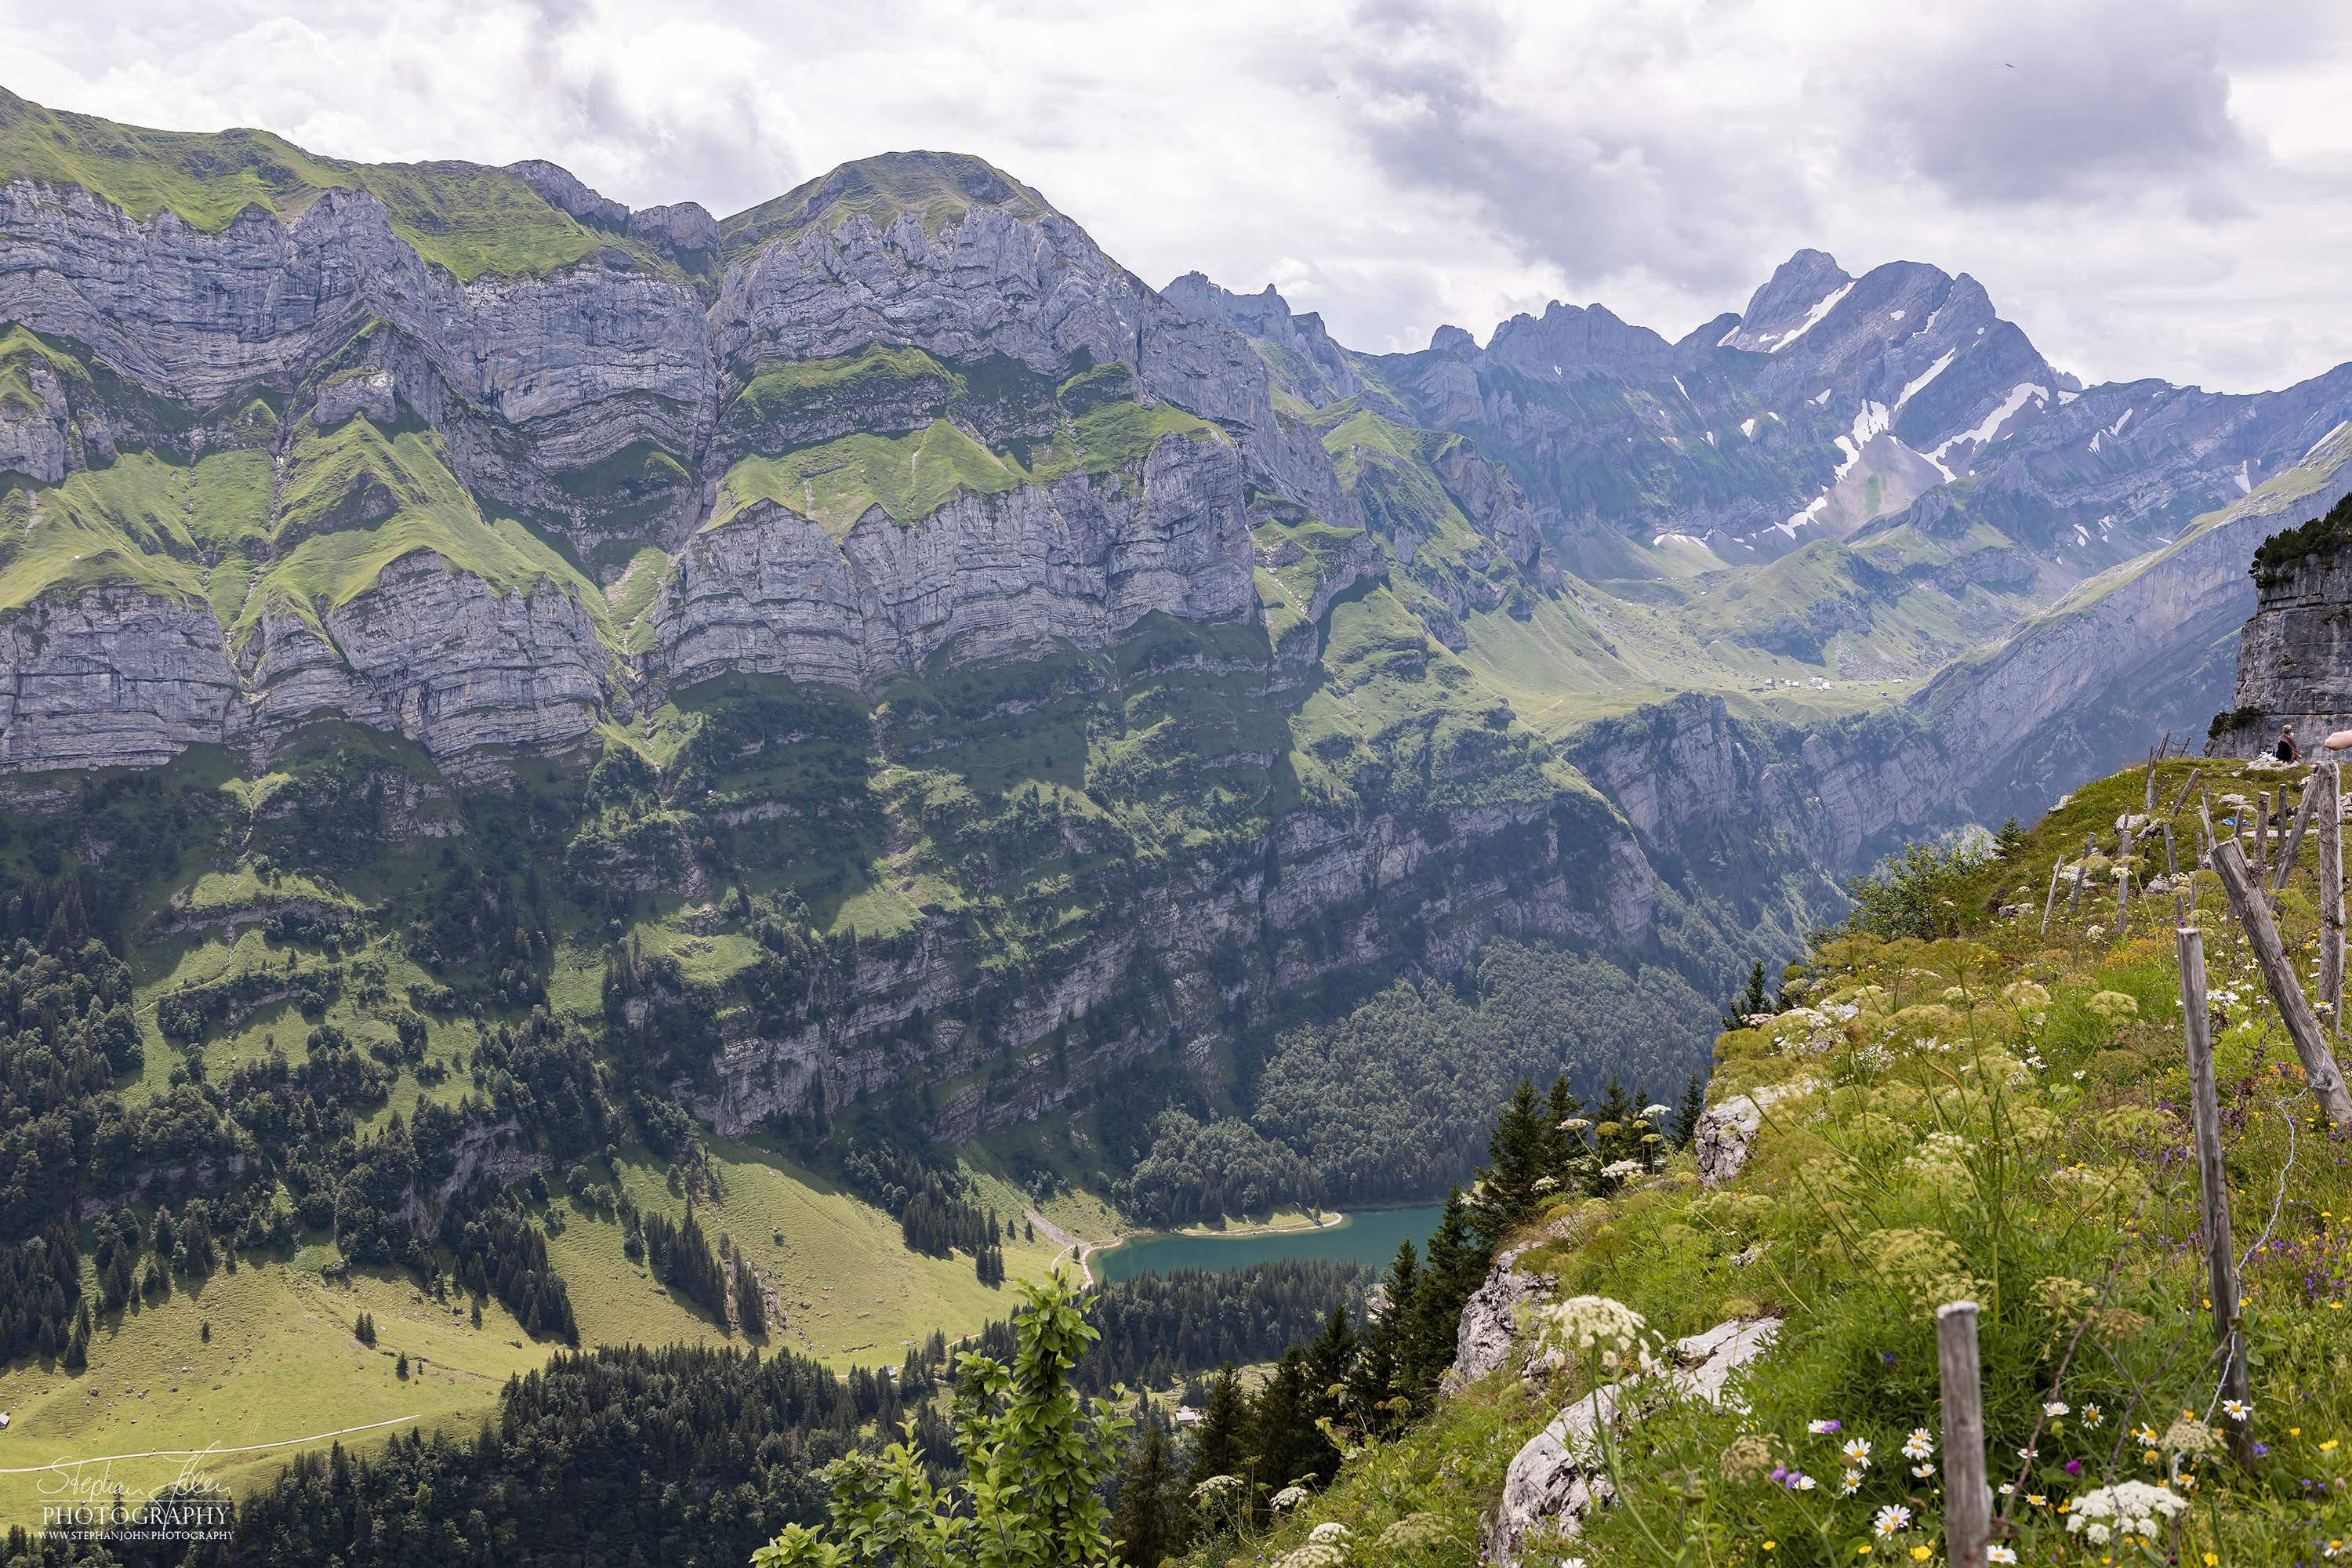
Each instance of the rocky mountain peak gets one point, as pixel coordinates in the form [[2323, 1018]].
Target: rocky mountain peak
[[561, 189], [1570, 339], [935, 189], [1801, 291], [1455, 343]]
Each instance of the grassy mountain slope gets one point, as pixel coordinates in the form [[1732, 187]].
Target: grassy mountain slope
[[1976, 1110]]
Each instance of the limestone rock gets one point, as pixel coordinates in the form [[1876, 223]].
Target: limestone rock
[[438, 655], [1556, 1477], [994, 576], [559, 187], [112, 677], [1726, 1130], [1490, 1323], [2295, 659], [682, 226], [33, 437], [368, 392]]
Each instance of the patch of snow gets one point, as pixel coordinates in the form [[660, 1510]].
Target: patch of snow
[[1681, 388], [1748, 428], [1820, 311], [1776, 419], [2018, 398], [1725, 341], [2341, 425], [2065, 397], [1871, 420], [1555, 370], [2096, 436], [1710, 439], [1979, 332], [1933, 317], [1912, 390], [2245, 476], [2080, 536], [2118, 428], [1821, 397], [1893, 315], [1813, 509]]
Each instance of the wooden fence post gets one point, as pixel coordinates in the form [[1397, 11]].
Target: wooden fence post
[[1967, 1497], [2050, 900], [2186, 785], [2294, 838], [2220, 1256], [2123, 880], [2082, 874], [2261, 833], [2285, 987], [2327, 779]]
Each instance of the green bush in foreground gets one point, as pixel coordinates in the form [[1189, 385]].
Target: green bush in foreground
[[1035, 1463]]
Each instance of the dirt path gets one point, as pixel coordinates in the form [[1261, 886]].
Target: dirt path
[[1076, 1247], [194, 1453]]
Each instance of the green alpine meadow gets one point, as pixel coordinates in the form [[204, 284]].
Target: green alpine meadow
[[836, 885]]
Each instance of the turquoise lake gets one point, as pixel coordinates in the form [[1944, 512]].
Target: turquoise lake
[[1370, 1239]]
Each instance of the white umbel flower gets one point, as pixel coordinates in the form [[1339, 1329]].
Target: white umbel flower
[[1596, 1324], [2127, 1509]]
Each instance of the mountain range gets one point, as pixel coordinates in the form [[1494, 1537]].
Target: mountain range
[[865, 707]]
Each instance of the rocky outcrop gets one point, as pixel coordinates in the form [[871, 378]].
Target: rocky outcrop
[[560, 188], [994, 576], [592, 357], [109, 677], [1727, 1130], [367, 391], [1489, 1329], [1560, 1475], [2294, 656], [434, 654], [683, 228], [1036, 290]]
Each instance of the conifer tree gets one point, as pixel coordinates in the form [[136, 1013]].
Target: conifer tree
[[1745, 1002], [1219, 1441], [1289, 1447], [1455, 1266], [1687, 1113], [1374, 1390], [1562, 1143], [1150, 1516], [1329, 1362], [1521, 1151]]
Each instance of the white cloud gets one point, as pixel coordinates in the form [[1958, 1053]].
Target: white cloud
[[2149, 189]]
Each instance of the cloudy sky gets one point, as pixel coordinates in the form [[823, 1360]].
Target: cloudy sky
[[2151, 187]]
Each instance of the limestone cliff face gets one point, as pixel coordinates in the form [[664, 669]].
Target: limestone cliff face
[[589, 396], [433, 654], [992, 576], [110, 678], [1035, 290], [1576, 878], [2295, 659], [195, 316]]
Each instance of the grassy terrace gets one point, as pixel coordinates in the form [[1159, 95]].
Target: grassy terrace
[[1963, 1106], [1103, 430]]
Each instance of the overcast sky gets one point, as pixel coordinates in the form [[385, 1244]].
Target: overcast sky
[[2156, 187]]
